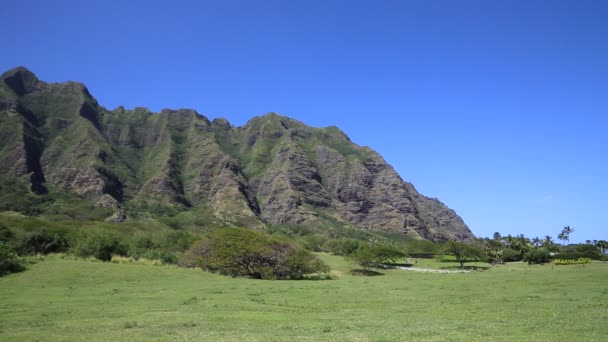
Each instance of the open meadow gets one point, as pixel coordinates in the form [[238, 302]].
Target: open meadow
[[66, 299]]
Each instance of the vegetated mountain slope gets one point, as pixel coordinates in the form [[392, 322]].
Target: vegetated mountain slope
[[56, 138]]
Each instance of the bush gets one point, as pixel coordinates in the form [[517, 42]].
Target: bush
[[8, 259], [422, 249], [313, 242], [99, 244], [162, 247], [344, 247], [537, 256], [6, 234], [42, 242], [509, 255], [593, 255], [240, 252]]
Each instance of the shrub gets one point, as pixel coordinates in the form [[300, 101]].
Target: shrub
[[42, 242], [343, 247], [313, 242], [99, 244], [158, 254], [240, 252], [423, 249], [177, 241], [537, 256], [509, 255], [8, 259], [6, 234], [593, 255], [159, 246]]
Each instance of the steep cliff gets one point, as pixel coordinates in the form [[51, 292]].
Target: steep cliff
[[275, 170]]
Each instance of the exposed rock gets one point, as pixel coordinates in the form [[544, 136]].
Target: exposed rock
[[119, 216], [274, 169], [107, 202]]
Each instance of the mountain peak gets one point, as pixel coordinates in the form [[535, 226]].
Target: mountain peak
[[20, 80], [273, 170]]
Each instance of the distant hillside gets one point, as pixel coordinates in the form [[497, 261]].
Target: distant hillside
[[56, 140]]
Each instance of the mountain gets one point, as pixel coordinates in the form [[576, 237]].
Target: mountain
[[56, 140]]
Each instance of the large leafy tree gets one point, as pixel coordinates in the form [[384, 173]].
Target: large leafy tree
[[602, 245], [519, 243], [240, 252], [549, 244], [462, 252], [493, 249], [376, 256]]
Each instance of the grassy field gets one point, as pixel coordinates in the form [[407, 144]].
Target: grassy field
[[69, 300]]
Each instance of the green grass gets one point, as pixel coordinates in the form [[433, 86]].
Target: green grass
[[69, 300]]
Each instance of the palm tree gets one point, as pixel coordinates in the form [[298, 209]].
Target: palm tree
[[565, 235], [602, 245], [497, 236], [509, 239], [549, 244], [521, 244], [493, 249], [536, 241]]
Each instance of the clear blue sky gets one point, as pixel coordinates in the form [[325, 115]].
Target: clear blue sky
[[498, 108]]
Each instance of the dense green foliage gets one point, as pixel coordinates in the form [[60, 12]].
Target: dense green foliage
[[462, 252], [8, 259], [509, 255], [240, 252], [41, 242], [99, 244], [537, 256], [38, 236], [343, 247], [594, 255], [377, 256]]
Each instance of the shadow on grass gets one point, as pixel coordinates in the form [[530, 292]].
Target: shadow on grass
[[364, 272], [10, 266], [469, 268], [395, 265], [446, 259]]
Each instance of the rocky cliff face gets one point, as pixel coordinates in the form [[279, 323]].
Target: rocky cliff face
[[273, 170]]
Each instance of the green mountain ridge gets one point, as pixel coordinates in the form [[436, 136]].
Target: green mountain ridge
[[56, 139]]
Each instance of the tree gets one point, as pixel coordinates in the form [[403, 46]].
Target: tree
[[376, 256], [602, 245], [494, 250], [497, 236], [8, 259], [241, 252], [520, 243], [564, 235], [537, 256], [509, 239], [462, 252], [549, 244]]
